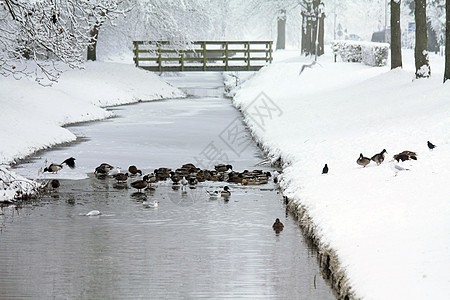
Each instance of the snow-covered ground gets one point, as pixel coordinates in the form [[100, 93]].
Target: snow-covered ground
[[32, 116], [391, 233]]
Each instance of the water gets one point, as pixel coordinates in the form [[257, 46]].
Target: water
[[191, 246]]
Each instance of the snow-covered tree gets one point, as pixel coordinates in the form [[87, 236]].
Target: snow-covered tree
[[35, 34], [312, 27]]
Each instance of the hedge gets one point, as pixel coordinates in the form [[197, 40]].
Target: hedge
[[372, 54]]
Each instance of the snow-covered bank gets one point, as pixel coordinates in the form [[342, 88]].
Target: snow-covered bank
[[391, 234], [33, 115]]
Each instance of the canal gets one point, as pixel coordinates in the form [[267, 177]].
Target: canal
[[189, 247]]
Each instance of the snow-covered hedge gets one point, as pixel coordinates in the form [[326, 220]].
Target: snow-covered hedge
[[372, 54]]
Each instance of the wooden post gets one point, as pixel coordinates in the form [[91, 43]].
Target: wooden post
[[182, 60], [226, 56], [159, 59], [248, 56], [204, 55], [270, 51], [136, 53]]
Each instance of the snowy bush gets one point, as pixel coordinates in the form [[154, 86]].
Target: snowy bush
[[14, 186], [372, 54]]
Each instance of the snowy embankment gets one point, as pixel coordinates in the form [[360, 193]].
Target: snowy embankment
[[387, 236], [33, 115]]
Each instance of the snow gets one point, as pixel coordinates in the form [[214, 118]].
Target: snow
[[33, 115], [391, 233]]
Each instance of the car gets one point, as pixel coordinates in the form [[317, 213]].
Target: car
[[353, 37]]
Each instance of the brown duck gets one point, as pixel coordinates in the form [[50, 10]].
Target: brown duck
[[363, 161]]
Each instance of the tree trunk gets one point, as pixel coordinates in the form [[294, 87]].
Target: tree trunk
[[92, 48], [304, 21], [447, 40], [281, 36], [421, 52], [396, 39], [321, 34], [308, 44]]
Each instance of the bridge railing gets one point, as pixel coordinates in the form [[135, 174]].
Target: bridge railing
[[203, 56]]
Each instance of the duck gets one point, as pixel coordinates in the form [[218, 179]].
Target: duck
[[188, 166], [134, 170], [175, 178], [70, 162], [278, 226], [325, 169], [103, 169], [150, 204], [150, 178], [121, 177], [53, 168], [55, 184], [223, 167], [139, 185], [363, 161], [430, 145], [405, 155], [379, 157], [225, 192]]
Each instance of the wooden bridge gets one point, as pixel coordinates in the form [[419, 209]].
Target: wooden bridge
[[162, 56]]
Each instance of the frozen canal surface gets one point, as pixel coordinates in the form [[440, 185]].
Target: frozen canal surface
[[189, 247]]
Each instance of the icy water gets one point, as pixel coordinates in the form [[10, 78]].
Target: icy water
[[189, 247]]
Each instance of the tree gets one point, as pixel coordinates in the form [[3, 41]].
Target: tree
[[447, 41], [396, 39], [281, 30], [312, 17], [421, 53], [35, 34]]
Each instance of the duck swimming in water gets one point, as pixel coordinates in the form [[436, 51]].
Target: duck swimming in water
[[278, 226], [226, 192]]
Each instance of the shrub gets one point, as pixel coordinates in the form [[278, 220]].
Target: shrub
[[372, 54]]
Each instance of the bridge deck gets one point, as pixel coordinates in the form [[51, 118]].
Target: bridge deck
[[161, 56]]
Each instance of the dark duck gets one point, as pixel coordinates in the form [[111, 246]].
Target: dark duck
[[134, 170], [379, 157], [363, 161], [277, 226]]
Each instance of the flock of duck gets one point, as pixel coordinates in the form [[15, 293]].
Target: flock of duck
[[188, 175], [379, 158]]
